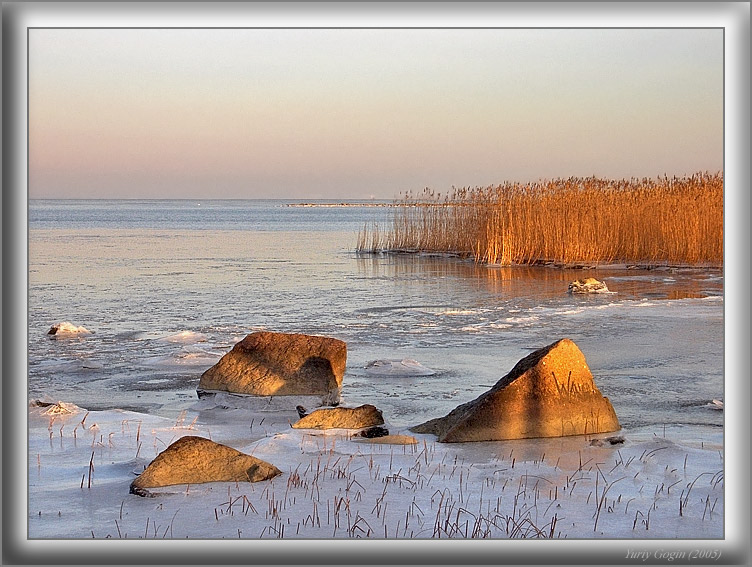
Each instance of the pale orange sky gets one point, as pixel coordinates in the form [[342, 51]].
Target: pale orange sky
[[355, 113]]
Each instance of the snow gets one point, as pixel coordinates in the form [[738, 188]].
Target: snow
[[66, 329], [186, 337], [398, 367], [649, 486]]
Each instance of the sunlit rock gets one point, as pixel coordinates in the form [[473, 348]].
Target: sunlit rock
[[195, 460], [341, 418], [549, 393], [588, 285], [280, 364]]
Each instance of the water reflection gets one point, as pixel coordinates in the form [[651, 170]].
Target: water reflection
[[470, 322], [542, 281]]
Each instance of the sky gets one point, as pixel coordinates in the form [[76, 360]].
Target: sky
[[364, 113]]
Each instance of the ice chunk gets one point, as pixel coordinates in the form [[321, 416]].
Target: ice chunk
[[403, 367], [186, 337], [66, 328]]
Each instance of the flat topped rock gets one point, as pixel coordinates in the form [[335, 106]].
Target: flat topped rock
[[397, 439], [341, 418], [195, 460], [279, 364], [549, 393]]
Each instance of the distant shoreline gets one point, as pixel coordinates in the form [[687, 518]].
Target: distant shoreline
[[343, 204], [400, 204]]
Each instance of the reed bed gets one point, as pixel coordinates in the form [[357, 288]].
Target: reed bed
[[677, 221]]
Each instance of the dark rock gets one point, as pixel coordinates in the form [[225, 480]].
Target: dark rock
[[373, 432], [614, 440]]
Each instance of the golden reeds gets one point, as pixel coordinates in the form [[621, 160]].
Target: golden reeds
[[675, 221]]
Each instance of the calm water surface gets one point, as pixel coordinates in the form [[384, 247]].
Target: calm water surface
[[167, 287]]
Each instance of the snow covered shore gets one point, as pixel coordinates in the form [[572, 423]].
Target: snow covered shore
[[335, 486]]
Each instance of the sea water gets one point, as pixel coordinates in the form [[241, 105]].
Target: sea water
[[167, 287]]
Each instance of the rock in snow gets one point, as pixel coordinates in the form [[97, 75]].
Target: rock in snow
[[341, 418], [279, 364], [588, 285], [549, 393], [195, 460]]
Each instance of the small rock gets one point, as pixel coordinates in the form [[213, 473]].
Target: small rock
[[588, 285], [615, 440], [373, 432], [341, 418]]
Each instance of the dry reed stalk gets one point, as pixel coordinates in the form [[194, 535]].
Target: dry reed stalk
[[564, 221]]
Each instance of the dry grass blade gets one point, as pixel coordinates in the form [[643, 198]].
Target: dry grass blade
[[564, 221]]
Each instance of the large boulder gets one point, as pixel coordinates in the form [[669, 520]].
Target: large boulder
[[341, 418], [279, 364], [195, 460], [549, 393]]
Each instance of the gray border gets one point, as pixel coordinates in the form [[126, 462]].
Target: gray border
[[15, 20]]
